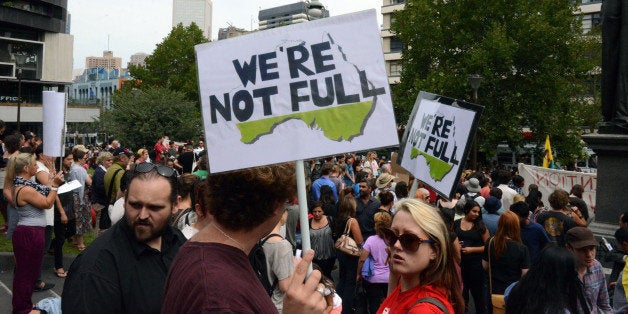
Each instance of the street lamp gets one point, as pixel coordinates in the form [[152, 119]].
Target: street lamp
[[19, 62], [475, 80]]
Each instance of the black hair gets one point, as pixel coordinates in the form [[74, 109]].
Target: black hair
[[550, 286], [497, 193], [478, 224], [533, 199], [577, 190], [504, 177], [361, 175], [521, 209], [386, 198], [624, 217], [39, 150], [368, 182], [517, 180], [326, 169], [12, 142], [401, 190], [327, 195], [621, 235]]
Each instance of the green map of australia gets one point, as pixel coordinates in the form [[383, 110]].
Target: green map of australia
[[337, 123], [438, 168]]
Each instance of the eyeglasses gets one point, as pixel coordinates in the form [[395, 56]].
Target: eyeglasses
[[409, 241], [162, 170]]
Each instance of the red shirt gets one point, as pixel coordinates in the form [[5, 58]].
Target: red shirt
[[159, 149], [398, 302]]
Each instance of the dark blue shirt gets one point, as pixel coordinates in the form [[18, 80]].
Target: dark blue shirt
[[365, 213], [535, 238], [98, 187]]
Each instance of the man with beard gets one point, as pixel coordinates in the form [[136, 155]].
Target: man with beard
[[124, 270], [366, 207]]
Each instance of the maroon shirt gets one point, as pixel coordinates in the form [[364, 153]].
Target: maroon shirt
[[214, 278]]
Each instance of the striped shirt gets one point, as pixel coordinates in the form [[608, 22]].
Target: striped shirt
[[595, 289]]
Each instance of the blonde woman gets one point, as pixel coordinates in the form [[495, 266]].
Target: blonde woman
[[421, 262], [142, 156], [30, 200]]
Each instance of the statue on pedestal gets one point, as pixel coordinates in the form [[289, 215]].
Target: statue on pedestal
[[614, 67]]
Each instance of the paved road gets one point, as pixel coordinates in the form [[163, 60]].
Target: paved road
[[6, 280]]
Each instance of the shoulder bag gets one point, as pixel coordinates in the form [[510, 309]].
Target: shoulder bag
[[499, 304], [346, 244]]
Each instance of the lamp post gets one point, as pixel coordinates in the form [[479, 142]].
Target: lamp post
[[475, 80], [19, 62]]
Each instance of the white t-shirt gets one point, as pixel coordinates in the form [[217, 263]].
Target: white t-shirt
[[50, 212], [116, 211]]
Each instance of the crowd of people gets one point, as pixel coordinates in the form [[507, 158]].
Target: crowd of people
[[171, 239]]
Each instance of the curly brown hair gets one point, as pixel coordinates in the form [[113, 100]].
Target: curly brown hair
[[558, 199], [244, 199]]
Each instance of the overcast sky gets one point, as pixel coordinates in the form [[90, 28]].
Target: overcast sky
[[127, 27]]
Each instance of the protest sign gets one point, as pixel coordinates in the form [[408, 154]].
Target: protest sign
[[549, 180], [53, 111], [295, 92], [437, 140]]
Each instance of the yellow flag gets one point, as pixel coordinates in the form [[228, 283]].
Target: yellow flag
[[548, 160]]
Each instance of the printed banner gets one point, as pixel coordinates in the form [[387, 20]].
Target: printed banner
[[549, 180], [295, 92], [437, 140], [54, 119]]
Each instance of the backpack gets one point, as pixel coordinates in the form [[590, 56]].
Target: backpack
[[257, 258], [462, 201]]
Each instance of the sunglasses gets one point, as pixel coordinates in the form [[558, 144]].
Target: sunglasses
[[409, 241], [162, 170]]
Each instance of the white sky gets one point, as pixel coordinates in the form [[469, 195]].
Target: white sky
[[130, 26]]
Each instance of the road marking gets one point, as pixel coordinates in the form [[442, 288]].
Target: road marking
[[6, 288]]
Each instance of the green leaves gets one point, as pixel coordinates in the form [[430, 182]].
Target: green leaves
[[140, 116], [163, 99], [535, 62], [173, 63]]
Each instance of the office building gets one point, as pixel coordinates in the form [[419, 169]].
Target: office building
[[35, 55], [197, 11], [390, 43], [230, 32], [138, 59], [107, 61], [293, 13], [95, 86]]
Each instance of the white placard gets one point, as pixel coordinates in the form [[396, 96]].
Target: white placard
[[437, 140], [72, 185], [53, 122], [295, 92]]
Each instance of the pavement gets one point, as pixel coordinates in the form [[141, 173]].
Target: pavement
[[7, 263]]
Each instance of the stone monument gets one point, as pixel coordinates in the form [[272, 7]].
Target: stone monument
[[611, 141]]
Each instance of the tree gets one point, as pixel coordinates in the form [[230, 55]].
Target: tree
[[139, 116], [173, 62], [530, 54]]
